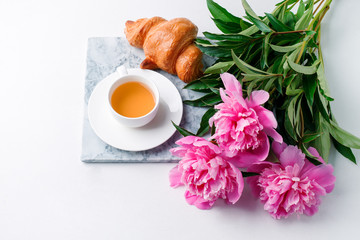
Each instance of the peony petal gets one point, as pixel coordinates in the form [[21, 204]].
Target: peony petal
[[257, 98], [266, 117], [292, 198], [291, 156], [247, 158], [211, 121], [260, 166], [278, 148], [273, 134], [233, 88], [231, 83], [234, 196], [323, 175], [190, 198], [309, 211], [224, 97], [202, 142], [179, 151], [187, 140], [198, 201], [308, 164], [316, 154], [175, 177], [253, 183]]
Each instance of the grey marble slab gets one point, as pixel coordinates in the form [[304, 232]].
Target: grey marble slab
[[104, 55]]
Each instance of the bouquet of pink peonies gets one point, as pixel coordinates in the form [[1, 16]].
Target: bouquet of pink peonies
[[268, 111]]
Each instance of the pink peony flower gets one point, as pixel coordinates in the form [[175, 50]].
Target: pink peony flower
[[242, 125], [206, 174], [293, 186]]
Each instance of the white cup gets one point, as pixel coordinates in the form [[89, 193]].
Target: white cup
[[124, 77]]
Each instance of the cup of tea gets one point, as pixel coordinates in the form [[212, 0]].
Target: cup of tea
[[133, 99]]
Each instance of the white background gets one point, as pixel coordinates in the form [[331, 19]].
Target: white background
[[46, 192]]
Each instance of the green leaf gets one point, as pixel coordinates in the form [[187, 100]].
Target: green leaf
[[301, 10], [291, 110], [345, 151], [278, 64], [323, 83], [276, 24], [182, 131], [196, 85], [240, 64], [249, 10], [292, 113], [251, 86], [215, 51], [203, 42], [289, 128], [309, 85], [208, 100], [343, 137], [284, 49], [213, 130], [289, 79], [204, 124], [305, 19], [230, 44], [202, 84], [243, 66], [310, 137], [227, 27], [259, 24], [249, 174], [269, 84], [244, 25], [290, 20], [297, 119], [254, 56], [250, 31], [309, 33], [292, 92], [221, 13], [322, 143], [310, 157], [249, 77], [229, 37], [292, 57], [215, 90], [293, 88], [219, 67], [265, 51], [212, 83], [321, 105], [308, 70], [279, 84]]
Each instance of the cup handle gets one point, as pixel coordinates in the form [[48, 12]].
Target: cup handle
[[121, 70]]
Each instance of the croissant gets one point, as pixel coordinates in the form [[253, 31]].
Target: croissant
[[168, 45]]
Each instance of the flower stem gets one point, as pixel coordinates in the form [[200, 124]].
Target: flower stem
[[318, 6], [321, 18], [297, 31], [318, 17], [302, 123], [293, 5]]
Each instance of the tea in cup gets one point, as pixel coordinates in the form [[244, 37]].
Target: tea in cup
[[133, 99]]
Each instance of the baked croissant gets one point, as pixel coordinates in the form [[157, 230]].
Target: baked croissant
[[168, 45]]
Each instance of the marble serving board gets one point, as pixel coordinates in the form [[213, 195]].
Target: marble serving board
[[104, 55]]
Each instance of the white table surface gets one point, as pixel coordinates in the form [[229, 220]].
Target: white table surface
[[46, 192]]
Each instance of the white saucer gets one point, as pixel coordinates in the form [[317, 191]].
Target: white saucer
[[149, 136]]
